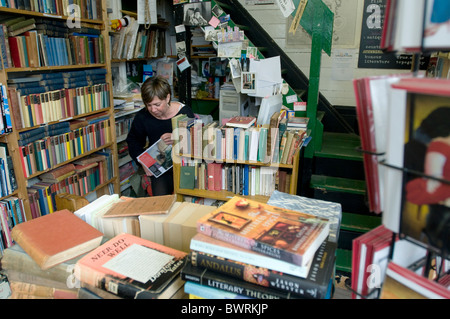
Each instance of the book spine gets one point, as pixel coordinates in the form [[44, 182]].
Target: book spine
[[253, 274], [219, 281]]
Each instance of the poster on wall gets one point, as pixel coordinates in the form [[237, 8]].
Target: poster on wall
[[370, 54]]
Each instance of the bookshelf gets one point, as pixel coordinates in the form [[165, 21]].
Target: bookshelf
[[85, 109], [224, 195]]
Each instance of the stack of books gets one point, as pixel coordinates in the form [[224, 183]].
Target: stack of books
[[61, 256], [41, 262], [131, 267], [248, 249], [272, 143]]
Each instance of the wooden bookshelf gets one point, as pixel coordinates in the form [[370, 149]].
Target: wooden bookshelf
[[226, 195], [107, 109]]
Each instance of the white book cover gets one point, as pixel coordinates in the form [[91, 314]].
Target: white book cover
[[409, 25], [437, 25]]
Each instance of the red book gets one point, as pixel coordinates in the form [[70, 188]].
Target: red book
[[14, 49], [217, 176], [15, 108], [241, 121], [402, 283], [211, 167]]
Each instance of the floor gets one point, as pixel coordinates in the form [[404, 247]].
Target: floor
[[341, 291]]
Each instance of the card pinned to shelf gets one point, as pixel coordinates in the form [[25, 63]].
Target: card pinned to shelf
[[142, 206]]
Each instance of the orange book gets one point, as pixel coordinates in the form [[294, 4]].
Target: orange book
[[280, 233], [55, 238], [131, 267]]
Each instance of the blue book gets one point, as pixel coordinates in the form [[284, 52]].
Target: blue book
[[51, 76], [95, 71], [25, 50], [74, 74], [76, 84], [49, 50], [30, 133], [3, 190], [91, 52], [246, 177], [52, 81], [7, 113], [25, 85], [26, 141], [31, 90], [236, 143], [42, 200]]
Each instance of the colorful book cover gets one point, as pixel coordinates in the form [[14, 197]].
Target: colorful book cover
[[276, 232], [311, 282], [130, 267], [157, 159], [425, 212]]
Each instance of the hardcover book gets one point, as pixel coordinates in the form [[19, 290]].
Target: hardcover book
[[213, 279], [313, 282], [276, 232], [55, 238], [402, 283], [141, 206], [241, 121], [424, 150], [130, 267]]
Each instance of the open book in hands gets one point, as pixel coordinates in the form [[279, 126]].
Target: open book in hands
[[156, 159]]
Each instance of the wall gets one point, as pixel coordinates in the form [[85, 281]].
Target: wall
[[337, 70]]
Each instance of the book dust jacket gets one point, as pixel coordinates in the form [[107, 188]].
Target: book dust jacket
[[276, 232]]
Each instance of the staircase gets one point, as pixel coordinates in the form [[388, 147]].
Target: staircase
[[335, 172], [338, 176]]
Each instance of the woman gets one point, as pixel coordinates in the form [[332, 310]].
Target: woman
[[152, 123]]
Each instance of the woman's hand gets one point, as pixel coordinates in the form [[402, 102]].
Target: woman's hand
[[167, 138]]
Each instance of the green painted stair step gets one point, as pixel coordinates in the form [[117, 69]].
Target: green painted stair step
[[340, 145], [338, 184], [359, 223], [344, 260]]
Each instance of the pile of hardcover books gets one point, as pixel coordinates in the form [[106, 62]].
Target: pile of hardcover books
[[247, 249]]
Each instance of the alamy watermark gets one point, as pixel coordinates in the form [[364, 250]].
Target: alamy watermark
[[73, 16], [206, 148]]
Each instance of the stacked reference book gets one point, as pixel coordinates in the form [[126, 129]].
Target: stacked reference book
[[248, 249]]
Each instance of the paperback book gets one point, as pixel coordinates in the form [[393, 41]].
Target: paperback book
[[213, 279], [313, 285], [421, 147], [247, 259], [130, 267], [276, 232], [157, 159]]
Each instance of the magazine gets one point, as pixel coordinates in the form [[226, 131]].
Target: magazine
[[157, 159]]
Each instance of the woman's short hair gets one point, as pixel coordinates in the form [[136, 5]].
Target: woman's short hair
[[155, 87]]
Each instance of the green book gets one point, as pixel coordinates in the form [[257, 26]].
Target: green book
[[21, 24], [262, 148], [187, 177], [8, 21]]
